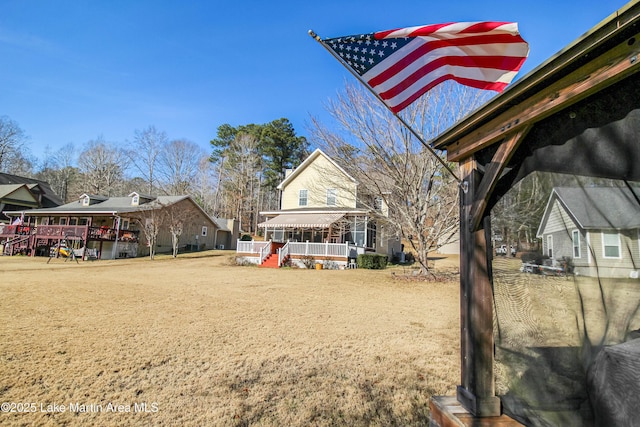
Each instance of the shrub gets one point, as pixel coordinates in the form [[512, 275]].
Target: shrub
[[532, 258], [246, 238], [372, 261], [330, 265]]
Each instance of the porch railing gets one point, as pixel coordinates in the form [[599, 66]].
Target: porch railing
[[283, 253], [338, 250], [251, 247], [265, 252], [43, 231], [109, 234], [15, 230], [329, 250]]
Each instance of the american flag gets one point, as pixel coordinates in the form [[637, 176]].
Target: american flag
[[401, 65]]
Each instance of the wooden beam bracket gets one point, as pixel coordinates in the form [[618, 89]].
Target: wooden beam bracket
[[492, 174]]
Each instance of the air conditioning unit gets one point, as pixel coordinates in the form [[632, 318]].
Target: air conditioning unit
[[220, 246]]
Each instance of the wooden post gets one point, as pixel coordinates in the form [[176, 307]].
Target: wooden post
[[477, 391]]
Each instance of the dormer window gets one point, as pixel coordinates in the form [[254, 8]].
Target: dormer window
[[85, 200], [135, 200]]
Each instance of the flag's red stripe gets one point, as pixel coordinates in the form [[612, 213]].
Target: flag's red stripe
[[428, 30], [507, 63], [425, 30], [478, 84], [436, 44], [482, 27]]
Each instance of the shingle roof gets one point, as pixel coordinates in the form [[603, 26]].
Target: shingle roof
[[109, 205], [602, 207], [221, 223], [49, 197]]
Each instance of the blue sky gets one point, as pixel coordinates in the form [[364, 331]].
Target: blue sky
[[73, 70]]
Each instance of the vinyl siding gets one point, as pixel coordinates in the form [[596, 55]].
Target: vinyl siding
[[559, 220], [615, 267], [316, 178]]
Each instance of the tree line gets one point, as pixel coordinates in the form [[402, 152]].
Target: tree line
[[236, 179]]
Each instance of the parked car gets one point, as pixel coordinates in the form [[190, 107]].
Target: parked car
[[504, 250]]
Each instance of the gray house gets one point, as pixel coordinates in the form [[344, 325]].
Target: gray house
[[111, 227], [598, 228]]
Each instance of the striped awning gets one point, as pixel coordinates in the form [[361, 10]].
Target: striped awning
[[302, 220]]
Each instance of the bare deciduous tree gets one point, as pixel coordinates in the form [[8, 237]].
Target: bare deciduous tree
[[390, 164], [150, 219], [11, 138], [62, 173], [102, 166], [179, 163], [14, 153], [176, 216], [148, 144], [241, 177], [204, 192]]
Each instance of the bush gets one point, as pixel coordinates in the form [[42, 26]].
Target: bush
[[532, 258], [372, 261], [246, 238]]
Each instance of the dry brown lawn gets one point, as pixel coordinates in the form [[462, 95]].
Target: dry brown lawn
[[203, 342]]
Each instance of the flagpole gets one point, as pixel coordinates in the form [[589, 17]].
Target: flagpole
[[404, 123]]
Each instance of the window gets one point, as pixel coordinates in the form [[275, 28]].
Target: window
[[611, 245], [135, 200], [63, 221], [550, 246], [302, 198], [83, 221], [204, 230], [575, 239], [73, 221], [125, 224], [332, 196], [359, 230]]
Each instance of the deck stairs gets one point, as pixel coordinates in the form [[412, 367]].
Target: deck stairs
[[270, 262], [16, 245]]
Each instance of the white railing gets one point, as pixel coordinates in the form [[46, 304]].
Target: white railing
[[283, 253], [265, 252], [251, 247], [263, 249], [340, 250]]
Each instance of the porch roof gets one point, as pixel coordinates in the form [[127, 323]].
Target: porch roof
[[298, 219]]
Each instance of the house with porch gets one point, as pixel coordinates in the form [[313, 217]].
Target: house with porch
[[596, 228], [322, 217], [111, 227]]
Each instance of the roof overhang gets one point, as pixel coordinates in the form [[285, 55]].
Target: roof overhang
[[54, 212], [303, 220]]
